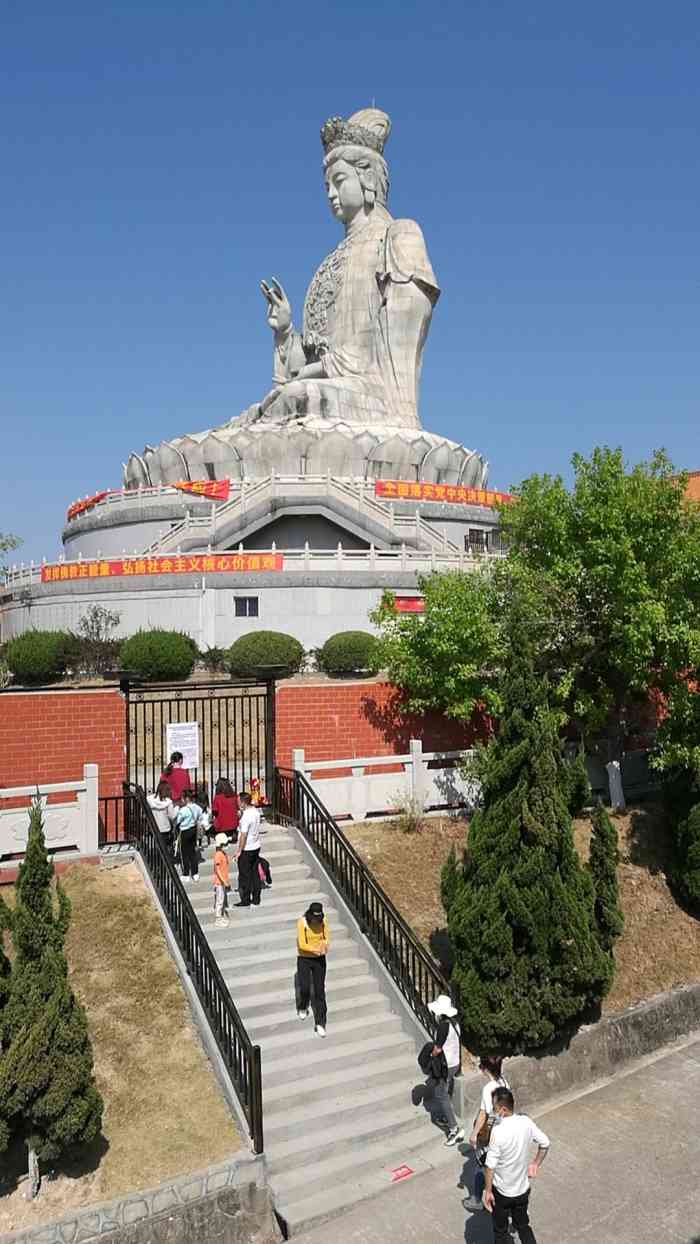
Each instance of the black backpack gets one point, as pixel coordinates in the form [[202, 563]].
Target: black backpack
[[425, 1058]]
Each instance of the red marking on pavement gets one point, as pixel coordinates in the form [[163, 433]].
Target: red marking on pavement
[[401, 1172]]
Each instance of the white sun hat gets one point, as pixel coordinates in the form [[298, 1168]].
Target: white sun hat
[[443, 1006], [221, 840]]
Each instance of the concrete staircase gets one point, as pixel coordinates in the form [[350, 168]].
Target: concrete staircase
[[337, 1112]]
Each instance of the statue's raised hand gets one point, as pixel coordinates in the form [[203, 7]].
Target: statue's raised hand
[[279, 312]]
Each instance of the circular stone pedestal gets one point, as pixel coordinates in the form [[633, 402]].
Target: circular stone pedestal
[[310, 446]]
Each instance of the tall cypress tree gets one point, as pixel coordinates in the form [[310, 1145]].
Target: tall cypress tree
[[603, 861], [5, 923], [520, 910], [48, 1094]]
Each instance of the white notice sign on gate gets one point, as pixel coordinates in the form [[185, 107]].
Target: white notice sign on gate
[[183, 736]]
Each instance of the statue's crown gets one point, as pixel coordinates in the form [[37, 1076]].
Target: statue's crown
[[369, 127]]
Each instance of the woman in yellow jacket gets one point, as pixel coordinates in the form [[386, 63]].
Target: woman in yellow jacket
[[313, 941]]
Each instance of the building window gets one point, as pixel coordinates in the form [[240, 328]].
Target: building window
[[210, 470], [246, 606]]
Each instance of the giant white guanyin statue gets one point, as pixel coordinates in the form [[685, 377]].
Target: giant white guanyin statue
[[357, 355], [346, 378]]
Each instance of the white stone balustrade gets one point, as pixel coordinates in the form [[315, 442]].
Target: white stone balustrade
[[354, 787], [69, 825]]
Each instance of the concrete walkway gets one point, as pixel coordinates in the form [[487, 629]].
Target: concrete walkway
[[623, 1169]]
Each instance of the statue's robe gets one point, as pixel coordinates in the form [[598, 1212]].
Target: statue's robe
[[366, 317]]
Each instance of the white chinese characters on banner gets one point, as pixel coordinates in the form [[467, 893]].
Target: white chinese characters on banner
[[183, 736]]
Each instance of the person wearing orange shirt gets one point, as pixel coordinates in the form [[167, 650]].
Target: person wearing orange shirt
[[221, 882]]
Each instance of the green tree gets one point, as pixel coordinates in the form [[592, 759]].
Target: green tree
[[520, 909], [687, 871], [48, 1094], [623, 546], [7, 544], [444, 658], [603, 861], [577, 788]]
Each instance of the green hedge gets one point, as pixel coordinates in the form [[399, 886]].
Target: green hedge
[[687, 873], [348, 652], [38, 656], [259, 649], [158, 656]]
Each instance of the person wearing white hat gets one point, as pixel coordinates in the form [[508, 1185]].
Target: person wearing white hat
[[221, 881], [447, 1042]]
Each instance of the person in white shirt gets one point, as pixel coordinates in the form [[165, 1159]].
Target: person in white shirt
[[164, 812], [490, 1066], [509, 1170], [447, 1042], [249, 884]]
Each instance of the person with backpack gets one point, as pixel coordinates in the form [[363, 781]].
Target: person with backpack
[[448, 1044]]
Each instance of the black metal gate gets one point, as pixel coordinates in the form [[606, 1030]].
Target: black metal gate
[[235, 732]]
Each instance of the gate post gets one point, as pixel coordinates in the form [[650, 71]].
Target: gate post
[[270, 741]]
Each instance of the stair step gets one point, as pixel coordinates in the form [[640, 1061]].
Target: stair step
[[291, 1186], [255, 974], [295, 896], [401, 1066], [314, 1143], [356, 1102], [348, 1179], [368, 1002], [344, 1031], [329, 1057], [265, 1006], [258, 934]]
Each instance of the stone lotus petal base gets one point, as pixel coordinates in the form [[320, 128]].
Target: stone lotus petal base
[[308, 447]]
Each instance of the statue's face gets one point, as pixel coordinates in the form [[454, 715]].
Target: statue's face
[[345, 193]]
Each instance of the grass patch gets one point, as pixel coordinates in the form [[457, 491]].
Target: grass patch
[[660, 945], [164, 1112]]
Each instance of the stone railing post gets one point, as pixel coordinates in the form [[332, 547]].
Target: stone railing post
[[90, 809], [417, 774]]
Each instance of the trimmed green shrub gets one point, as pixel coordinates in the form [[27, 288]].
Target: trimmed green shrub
[[158, 655], [348, 652], [48, 1095], [603, 861], [577, 788], [260, 649], [687, 872], [528, 964], [38, 656], [214, 660]]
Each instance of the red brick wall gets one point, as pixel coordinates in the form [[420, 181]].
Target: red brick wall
[[340, 719], [49, 736]]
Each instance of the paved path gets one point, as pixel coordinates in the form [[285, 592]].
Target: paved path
[[624, 1169]]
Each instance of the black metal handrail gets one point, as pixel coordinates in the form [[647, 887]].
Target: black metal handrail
[[241, 1057], [407, 962], [111, 828]]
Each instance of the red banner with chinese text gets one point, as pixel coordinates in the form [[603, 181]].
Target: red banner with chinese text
[[201, 563], [213, 489], [400, 488], [409, 604], [78, 506]]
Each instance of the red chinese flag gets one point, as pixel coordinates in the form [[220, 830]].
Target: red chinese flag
[[212, 489]]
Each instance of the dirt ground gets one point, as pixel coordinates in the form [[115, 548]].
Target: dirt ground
[[660, 945], [164, 1112]]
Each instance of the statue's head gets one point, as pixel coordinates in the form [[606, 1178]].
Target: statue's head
[[356, 175]]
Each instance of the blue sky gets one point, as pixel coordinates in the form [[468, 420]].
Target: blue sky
[[159, 158]]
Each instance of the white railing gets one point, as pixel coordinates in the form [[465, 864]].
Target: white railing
[[360, 561], [423, 781], [70, 825], [356, 491]]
